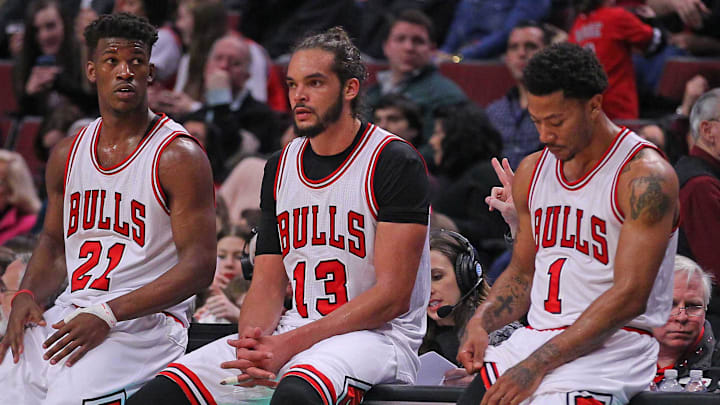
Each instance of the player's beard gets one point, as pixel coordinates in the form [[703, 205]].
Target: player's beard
[[330, 117]]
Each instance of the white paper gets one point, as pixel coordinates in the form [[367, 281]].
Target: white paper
[[433, 368]]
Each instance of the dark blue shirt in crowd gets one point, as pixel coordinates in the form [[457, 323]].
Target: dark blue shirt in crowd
[[519, 135]]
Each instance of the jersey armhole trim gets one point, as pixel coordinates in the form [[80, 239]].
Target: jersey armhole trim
[[278, 171], [370, 175], [614, 202], [72, 153], [535, 176], [158, 191]]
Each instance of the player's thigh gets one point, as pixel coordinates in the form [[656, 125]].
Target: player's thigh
[[131, 355], [344, 367]]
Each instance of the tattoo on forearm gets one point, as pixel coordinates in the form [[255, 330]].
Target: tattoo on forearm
[[505, 304], [547, 353], [522, 375], [648, 199]]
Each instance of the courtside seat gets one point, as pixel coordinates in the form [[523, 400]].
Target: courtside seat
[[7, 125], [678, 71], [8, 103], [23, 144], [482, 81], [390, 394]]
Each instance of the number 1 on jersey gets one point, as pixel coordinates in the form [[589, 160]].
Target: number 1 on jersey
[[553, 303]]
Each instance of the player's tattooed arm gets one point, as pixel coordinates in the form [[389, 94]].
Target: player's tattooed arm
[[508, 304], [647, 198]]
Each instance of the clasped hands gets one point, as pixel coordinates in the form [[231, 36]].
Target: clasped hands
[[259, 357]]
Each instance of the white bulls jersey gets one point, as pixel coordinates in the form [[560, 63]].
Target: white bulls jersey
[[327, 236], [576, 227], [116, 220]]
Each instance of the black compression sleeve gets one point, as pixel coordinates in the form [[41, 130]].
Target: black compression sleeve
[[401, 185]]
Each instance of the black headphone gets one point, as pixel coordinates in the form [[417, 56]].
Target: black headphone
[[247, 262], [468, 271]]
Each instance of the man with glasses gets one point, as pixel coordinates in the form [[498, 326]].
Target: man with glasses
[[686, 340], [699, 176]]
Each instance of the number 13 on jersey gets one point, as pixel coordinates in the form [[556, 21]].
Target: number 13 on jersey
[[334, 276]]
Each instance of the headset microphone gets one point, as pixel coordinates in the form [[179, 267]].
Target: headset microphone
[[445, 310]]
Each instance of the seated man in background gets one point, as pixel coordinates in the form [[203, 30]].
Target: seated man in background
[[399, 115], [509, 114], [409, 48], [686, 340]]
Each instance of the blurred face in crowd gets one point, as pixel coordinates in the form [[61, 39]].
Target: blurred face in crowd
[[135, 7], [682, 329], [408, 47], [50, 30], [232, 55], [443, 286], [198, 129], [315, 92], [522, 44], [436, 141], [184, 22], [229, 253], [654, 134], [564, 124], [392, 119]]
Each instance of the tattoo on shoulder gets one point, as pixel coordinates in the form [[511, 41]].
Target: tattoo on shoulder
[[648, 199], [628, 166]]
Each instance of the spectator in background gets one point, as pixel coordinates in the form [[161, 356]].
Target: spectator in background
[[655, 134], [232, 109], [480, 28], [48, 73], [400, 116], [612, 33], [219, 304], [19, 202], [409, 46], [699, 176], [687, 341], [54, 128], [167, 50], [457, 280], [464, 141], [12, 275], [509, 114]]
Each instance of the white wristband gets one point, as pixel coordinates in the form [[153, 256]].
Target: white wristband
[[102, 311]]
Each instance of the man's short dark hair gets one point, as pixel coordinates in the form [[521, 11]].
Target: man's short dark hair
[[120, 25], [415, 17], [409, 109], [567, 67], [546, 33], [348, 62]]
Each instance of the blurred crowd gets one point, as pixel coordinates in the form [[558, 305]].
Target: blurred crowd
[[219, 71]]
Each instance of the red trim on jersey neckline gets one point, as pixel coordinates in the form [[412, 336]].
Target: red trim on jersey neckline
[[332, 177], [370, 174], [582, 181], [318, 380], [71, 155], [129, 158], [179, 370]]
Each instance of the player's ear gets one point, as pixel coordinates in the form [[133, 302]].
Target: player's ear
[[90, 71], [352, 88], [595, 106], [151, 74]]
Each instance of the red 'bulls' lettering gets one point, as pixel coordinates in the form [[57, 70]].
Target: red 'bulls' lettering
[[87, 209], [546, 228], [298, 226]]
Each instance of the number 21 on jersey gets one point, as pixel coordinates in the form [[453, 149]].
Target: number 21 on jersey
[[92, 250]]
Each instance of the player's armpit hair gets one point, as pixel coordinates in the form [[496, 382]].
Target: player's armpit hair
[[647, 198]]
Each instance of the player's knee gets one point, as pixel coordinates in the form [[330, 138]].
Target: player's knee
[[473, 393], [158, 391], [294, 390]]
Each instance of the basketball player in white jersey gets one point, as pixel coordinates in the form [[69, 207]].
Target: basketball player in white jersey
[[345, 211], [130, 217], [592, 264]]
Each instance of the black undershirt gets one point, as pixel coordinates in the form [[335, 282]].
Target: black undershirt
[[400, 186]]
